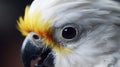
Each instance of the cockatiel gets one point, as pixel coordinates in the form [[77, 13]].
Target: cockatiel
[[71, 33]]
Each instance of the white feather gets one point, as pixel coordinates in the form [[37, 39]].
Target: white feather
[[101, 47]]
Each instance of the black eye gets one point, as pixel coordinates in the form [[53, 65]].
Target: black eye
[[69, 32]]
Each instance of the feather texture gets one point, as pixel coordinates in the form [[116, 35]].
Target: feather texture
[[99, 44]]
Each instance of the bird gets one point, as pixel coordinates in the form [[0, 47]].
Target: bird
[[71, 33]]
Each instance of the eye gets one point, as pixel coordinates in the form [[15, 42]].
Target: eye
[[69, 32]]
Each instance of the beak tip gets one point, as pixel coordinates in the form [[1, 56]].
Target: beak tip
[[30, 51]]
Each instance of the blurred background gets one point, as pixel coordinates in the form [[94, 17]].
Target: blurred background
[[10, 38]]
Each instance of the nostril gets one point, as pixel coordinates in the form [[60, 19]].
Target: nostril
[[35, 36]]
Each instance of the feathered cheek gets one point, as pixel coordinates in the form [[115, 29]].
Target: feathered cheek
[[47, 38]]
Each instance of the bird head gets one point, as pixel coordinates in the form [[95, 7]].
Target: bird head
[[70, 33]]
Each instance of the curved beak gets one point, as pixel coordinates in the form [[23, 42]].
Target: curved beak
[[32, 48]]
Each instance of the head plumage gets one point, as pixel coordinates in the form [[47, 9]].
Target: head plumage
[[34, 23]]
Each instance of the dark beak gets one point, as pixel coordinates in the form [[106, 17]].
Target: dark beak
[[32, 48]]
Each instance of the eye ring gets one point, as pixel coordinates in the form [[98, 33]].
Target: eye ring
[[69, 32], [62, 39]]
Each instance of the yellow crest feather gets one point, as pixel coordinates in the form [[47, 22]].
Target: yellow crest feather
[[34, 23]]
